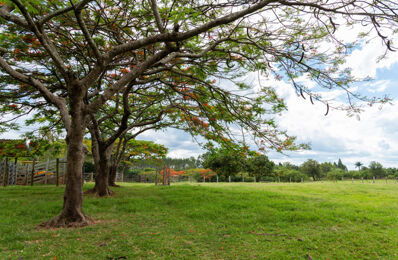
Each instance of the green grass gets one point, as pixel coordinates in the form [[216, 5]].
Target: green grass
[[208, 221]]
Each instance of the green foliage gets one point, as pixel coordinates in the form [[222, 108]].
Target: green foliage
[[259, 165], [376, 169], [293, 175], [326, 167], [88, 167], [341, 166], [14, 148], [312, 169], [225, 162], [336, 174], [182, 163], [139, 150]]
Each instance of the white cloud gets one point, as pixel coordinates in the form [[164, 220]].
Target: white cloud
[[379, 86], [339, 136]]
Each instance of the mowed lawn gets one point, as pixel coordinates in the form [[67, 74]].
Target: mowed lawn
[[208, 221]]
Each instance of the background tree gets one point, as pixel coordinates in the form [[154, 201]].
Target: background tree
[[137, 151], [224, 161], [341, 166], [376, 169], [182, 163], [259, 166], [336, 174], [312, 169], [358, 165], [326, 167]]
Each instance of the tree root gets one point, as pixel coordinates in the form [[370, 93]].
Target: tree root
[[114, 185], [63, 221]]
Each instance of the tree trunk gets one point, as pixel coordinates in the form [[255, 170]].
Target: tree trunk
[[112, 175], [72, 214], [102, 161]]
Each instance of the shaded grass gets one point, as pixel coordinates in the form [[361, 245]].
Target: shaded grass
[[208, 221]]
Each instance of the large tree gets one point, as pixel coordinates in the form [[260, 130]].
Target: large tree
[[72, 57]]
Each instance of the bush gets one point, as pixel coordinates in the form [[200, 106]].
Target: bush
[[132, 172], [353, 174], [88, 167], [249, 179], [293, 175], [267, 179], [336, 174]]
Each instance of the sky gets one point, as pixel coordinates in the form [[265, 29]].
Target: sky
[[371, 136]]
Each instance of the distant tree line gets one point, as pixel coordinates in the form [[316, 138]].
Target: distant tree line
[[228, 164], [250, 166]]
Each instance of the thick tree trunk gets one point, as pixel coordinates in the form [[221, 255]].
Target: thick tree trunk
[[102, 161], [72, 214], [112, 175]]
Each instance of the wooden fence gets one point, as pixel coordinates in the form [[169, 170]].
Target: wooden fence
[[31, 172]]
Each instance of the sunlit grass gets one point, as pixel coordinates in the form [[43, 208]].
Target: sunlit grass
[[208, 221]]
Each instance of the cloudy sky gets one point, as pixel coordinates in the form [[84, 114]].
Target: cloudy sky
[[371, 136]]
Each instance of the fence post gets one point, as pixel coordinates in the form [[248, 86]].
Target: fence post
[[16, 170], [302, 180], [57, 172], [229, 178], [352, 180], [362, 179], [164, 175], [374, 179], [168, 176], [217, 178], [5, 177], [243, 178], [33, 172], [156, 177], [26, 173]]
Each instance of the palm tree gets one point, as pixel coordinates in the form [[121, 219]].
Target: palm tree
[[358, 165]]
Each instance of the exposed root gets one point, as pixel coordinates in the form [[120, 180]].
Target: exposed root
[[62, 221], [114, 185]]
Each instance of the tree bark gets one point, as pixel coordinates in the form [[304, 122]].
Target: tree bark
[[112, 175], [72, 214], [102, 161]]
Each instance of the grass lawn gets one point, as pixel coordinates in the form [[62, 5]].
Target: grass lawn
[[208, 221]]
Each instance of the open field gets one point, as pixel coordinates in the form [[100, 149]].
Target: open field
[[208, 221]]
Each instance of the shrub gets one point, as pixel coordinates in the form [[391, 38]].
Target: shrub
[[335, 174]]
